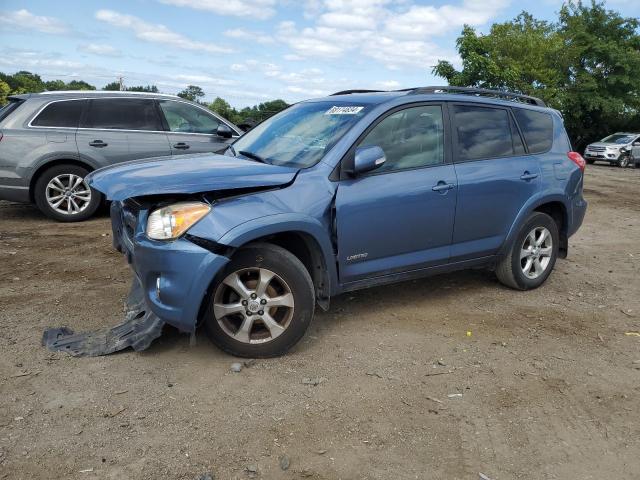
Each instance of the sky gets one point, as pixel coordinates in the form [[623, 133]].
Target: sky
[[249, 51]]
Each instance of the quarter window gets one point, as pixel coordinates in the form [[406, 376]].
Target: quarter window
[[483, 132], [410, 138], [182, 117], [537, 128], [60, 114], [123, 114]]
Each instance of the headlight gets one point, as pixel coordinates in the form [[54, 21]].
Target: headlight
[[623, 150], [168, 223]]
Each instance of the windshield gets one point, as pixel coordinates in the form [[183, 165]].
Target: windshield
[[618, 138], [300, 135]]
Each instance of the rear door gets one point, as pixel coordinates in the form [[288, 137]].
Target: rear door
[[399, 217], [496, 177], [192, 129], [115, 130]]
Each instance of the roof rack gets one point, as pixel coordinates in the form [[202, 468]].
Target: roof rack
[[347, 92], [104, 92], [481, 92]]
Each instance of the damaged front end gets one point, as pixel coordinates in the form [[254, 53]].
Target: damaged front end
[[140, 327]]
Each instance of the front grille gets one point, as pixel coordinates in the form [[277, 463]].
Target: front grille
[[597, 149]]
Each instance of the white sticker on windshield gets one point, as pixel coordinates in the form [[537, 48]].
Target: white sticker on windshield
[[343, 110]]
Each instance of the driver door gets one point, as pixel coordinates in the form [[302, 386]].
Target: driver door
[[399, 217], [192, 129]]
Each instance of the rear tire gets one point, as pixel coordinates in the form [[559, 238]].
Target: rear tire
[[239, 318], [532, 255], [624, 162], [61, 194]]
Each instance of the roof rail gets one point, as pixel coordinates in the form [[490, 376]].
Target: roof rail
[[482, 92], [347, 92], [104, 92]]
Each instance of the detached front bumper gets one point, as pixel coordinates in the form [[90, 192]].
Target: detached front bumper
[[174, 275]]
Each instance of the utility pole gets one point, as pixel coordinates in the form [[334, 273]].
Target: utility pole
[[120, 80]]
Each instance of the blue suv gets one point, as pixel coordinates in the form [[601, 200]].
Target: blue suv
[[357, 189]]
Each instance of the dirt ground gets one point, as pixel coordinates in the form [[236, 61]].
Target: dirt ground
[[545, 386]]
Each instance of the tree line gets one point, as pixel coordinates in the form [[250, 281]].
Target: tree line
[[28, 82], [586, 64]]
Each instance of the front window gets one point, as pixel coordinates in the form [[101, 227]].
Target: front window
[[185, 118], [619, 139], [300, 135]]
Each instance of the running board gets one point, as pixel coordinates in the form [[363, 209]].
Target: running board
[[139, 329]]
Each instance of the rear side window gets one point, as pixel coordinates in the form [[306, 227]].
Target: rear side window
[[537, 128], [60, 114], [122, 114], [483, 132]]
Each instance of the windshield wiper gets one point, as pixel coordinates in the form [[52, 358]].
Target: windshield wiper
[[253, 156]]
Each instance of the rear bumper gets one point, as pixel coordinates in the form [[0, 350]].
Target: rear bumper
[[175, 276], [14, 193]]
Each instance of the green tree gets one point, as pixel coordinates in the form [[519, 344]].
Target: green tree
[[79, 85], [5, 89], [222, 107], [586, 65], [143, 88], [55, 85], [112, 86], [192, 92]]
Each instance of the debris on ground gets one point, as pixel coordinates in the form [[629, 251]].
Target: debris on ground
[[236, 367], [284, 462], [483, 476], [313, 381], [454, 395], [632, 334]]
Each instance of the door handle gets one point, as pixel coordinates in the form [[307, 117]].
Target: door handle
[[526, 176], [98, 144], [442, 187], [180, 146]]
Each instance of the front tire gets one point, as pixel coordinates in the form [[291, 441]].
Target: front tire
[[532, 255], [624, 162], [262, 303], [62, 194]]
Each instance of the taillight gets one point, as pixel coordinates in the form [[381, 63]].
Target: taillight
[[576, 158]]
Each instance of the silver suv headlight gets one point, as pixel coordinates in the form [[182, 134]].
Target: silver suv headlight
[[170, 222]]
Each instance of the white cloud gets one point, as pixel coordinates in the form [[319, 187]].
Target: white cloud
[[100, 49], [426, 21], [204, 80], [260, 9], [292, 57], [238, 67], [388, 84], [242, 34], [25, 20], [309, 92], [156, 33], [397, 34]]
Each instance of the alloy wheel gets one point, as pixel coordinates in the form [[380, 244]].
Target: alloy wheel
[[68, 194], [535, 253], [253, 305]]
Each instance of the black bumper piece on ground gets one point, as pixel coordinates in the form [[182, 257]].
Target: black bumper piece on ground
[[140, 327]]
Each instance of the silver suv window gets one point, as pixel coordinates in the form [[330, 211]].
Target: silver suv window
[[185, 118], [122, 114], [63, 114]]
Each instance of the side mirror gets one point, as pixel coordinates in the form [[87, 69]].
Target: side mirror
[[368, 158], [224, 131]]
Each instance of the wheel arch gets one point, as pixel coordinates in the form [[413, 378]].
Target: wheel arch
[[553, 205], [307, 239]]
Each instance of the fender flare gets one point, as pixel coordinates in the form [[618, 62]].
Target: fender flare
[[288, 222], [526, 210]]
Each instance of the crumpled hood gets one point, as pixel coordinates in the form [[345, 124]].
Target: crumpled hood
[[186, 174]]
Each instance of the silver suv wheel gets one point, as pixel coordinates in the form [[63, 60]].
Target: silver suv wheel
[[68, 194], [253, 305], [536, 251]]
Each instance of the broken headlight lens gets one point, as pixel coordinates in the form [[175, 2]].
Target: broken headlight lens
[[168, 223]]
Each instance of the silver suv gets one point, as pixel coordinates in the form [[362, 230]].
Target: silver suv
[[618, 149], [50, 141]]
